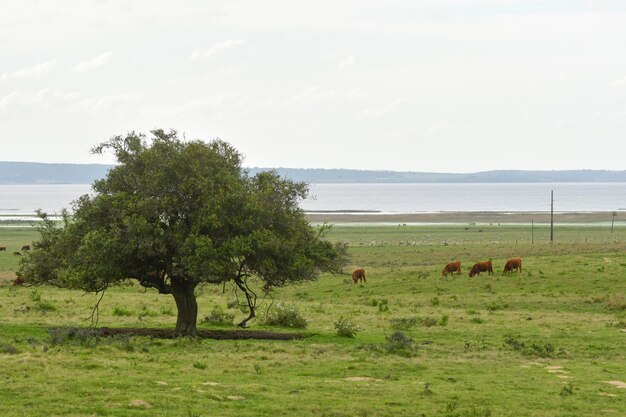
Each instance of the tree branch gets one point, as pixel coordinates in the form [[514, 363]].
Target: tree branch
[[96, 309], [157, 280]]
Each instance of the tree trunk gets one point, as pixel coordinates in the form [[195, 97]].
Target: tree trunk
[[187, 306]]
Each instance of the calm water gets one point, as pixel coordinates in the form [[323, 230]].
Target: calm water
[[388, 198], [412, 198]]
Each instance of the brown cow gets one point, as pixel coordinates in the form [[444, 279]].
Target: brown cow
[[18, 281], [26, 247], [513, 264], [3, 248], [451, 268], [481, 267], [17, 254], [358, 274]]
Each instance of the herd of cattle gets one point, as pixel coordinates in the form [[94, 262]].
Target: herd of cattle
[[513, 264], [16, 253]]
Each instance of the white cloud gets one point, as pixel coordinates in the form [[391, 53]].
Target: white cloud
[[349, 61], [315, 94], [7, 101], [377, 112], [96, 62], [621, 82], [215, 49], [34, 71]]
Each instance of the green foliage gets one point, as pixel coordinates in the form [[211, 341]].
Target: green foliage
[[406, 323], [8, 349], [77, 335], [567, 390], [122, 312], [174, 214], [44, 306], [286, 316], [399, 343], [218, 316], [345, 328], [539, 349]]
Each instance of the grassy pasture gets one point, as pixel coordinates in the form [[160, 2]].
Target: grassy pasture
[[548, 342]]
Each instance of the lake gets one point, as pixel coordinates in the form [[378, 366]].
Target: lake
[[18, 200]]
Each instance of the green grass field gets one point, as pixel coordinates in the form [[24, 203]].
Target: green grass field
[[548, 342]]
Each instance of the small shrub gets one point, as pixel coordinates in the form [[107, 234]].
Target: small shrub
[[400, 344], [540, 349], [122, 312], [477, 320], [166, 311], [616, 302], [287, 316], [200, 365], [434, 301], [444, 320], [79, 335], [218, 316], [44, 306], [35, 296], [493, 306], [8, 349], [383, 306], [403, 323], [567, 390], [428, 321], [427, 392], [345, 328], [144, 311]]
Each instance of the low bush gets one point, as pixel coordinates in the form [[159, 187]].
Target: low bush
[[403, 323], [539, 349], [286, 316], [345, 328], [122, 312], [218, 316]]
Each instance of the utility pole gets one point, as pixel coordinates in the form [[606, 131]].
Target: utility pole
[[613, 220], [552, 216], [532, 230]]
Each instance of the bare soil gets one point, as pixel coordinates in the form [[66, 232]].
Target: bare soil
[[204, 334]]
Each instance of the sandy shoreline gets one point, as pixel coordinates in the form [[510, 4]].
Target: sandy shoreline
[[467, 217]]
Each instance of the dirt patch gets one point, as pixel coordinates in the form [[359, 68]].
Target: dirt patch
[[363, 379], [203, 334], [140, 404], [618, 384]]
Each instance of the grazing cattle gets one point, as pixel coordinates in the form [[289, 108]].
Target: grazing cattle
[[26, 247], [451, 268], [481, 267], [18, 281], [3, 248], [513, 264], [358, 274], [17, 254]]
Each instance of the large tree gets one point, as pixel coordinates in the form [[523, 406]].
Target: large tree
[[173, 215]]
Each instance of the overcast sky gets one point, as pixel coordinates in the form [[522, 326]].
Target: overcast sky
[[415, 85]]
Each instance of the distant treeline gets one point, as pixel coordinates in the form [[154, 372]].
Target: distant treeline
[[500, 176], [38, 173]]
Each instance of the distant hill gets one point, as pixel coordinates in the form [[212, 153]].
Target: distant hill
[[500, 176], [39, 173]]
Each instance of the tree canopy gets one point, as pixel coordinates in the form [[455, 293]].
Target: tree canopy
[[175, 214]]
